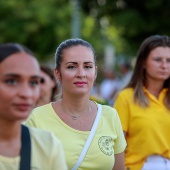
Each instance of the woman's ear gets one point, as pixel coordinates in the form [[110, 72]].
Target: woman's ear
[[57, 74]]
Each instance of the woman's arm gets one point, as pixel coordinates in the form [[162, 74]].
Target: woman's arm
[[119, 162], [125, 133]]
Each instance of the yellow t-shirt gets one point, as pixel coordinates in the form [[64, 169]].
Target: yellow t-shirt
[[147, 128], [46, 153], [108, 140]]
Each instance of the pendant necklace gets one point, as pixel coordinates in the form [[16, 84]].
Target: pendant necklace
[[75, 117]]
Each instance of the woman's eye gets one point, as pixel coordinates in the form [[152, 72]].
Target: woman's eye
[[71, 67], [157, 59], [34, 82], [168, 60], [88, 66], [11, 82]]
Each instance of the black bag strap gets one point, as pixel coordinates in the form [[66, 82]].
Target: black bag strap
[[25, 154]]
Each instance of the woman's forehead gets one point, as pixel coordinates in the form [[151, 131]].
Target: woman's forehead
[[78, 53], [20, 63]]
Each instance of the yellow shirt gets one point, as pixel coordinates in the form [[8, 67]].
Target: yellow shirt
[[46, 153], [148, 129], [108, 140]]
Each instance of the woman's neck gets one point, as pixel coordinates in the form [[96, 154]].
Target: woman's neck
[[76, 106], [154, 87], [10, 139], [44, 100]]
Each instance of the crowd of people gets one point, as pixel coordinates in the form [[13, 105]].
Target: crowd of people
[[112, 83], [71, 131]]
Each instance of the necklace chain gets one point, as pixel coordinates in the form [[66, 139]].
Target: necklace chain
[[75, 117]]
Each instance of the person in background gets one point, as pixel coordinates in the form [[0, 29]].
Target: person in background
[[125, 70], [84, 127], [144, 107], [109, 86], [21, 147], [48, 86]]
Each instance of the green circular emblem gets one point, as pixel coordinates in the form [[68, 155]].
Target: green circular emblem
[[106, 145]]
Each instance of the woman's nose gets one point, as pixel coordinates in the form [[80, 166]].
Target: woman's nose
[[26, 91], [81, 72], [164, 64]]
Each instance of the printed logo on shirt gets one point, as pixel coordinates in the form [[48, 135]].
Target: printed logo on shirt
[[105, 145]]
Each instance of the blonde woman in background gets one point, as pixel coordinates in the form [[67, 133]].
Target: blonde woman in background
[[144, 107]]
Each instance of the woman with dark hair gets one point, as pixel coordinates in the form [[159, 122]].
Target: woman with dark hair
[[21, 147], [91, 133], [144, 107], [48, 86]]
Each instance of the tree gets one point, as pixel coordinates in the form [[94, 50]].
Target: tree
[[39, 24], [134, 20]]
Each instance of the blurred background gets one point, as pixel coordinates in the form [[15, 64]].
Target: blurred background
[[115, 28]]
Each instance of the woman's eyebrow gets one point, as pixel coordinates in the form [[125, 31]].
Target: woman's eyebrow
[[18, 75], [71, 62]]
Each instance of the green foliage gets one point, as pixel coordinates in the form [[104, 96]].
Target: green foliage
[[134, 20], [38, 24], [42, 25]]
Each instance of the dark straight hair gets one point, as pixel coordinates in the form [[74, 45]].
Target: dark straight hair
[[8, 49], [68, 44]]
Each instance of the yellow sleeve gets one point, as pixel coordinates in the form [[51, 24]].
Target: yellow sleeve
[[121, 105], [47, 150], [58, 160], [31, 120], [120, 142]]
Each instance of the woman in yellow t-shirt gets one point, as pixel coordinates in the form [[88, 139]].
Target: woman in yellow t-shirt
[[73, 118], [144, 107], [23, 148]]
